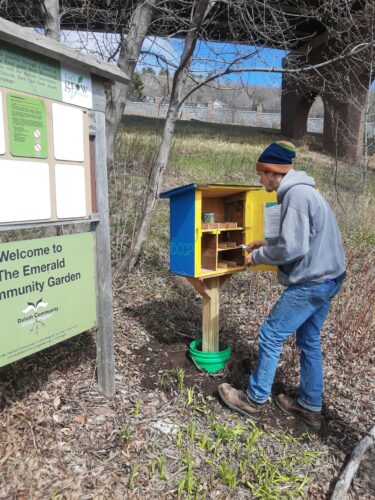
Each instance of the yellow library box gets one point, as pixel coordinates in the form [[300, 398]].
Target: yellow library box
[[211, 224]]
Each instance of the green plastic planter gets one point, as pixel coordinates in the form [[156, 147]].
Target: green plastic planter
[[212, 362]]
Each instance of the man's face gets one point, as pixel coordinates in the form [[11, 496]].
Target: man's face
[[267, 179]]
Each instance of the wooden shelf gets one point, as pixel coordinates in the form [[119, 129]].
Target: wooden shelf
[[219, 225], [226, 264], [224, 235], [222, 230], [227, 244], [207, 273], [229, 248]]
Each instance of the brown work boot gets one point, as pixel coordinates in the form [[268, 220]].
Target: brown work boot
[[238, 401], [289, 406]]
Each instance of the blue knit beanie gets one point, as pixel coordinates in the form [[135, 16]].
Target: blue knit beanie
[[277, 157]]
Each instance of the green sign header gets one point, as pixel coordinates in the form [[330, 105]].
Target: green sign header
[[47, 293], [32, 73], [28, 72]]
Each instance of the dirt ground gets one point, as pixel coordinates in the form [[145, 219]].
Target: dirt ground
[[60, 439]]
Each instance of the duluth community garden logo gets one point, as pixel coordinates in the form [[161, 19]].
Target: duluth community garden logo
[[34, 307], [37, 315]]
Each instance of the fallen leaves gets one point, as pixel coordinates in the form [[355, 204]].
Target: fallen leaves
[[61, 439], [80, 419]]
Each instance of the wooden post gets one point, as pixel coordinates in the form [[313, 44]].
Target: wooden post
[[258, 116], [209, 289], [210, 319], [210, 111], [104, 337], [157, 106]]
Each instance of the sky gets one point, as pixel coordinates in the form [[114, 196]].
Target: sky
[[211, 58]]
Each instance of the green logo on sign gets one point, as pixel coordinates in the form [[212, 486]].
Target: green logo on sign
[[35, 319]]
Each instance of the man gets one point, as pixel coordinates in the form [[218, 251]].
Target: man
[[310, 260]]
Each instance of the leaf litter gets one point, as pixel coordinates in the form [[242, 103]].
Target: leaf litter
[[61, 439]]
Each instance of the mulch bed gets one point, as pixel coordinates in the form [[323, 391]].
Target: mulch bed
[[61, 439]]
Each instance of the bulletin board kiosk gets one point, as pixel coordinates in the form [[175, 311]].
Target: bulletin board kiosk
[[53, 173], [209, 226]]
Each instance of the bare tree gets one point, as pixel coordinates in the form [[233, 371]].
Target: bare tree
[[129, 50], [265, 25], [200, 9], [51, 10], [341, 61]]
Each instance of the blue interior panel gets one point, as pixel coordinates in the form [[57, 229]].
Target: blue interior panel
[[182, 223]]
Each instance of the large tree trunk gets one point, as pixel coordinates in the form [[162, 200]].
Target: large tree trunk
[[201, 8], [51, 18], [129, 52]]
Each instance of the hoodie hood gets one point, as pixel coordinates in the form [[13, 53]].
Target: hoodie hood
[[308, 248], [292, 178]]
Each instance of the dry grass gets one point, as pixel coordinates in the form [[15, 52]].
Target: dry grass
[[208, 153]]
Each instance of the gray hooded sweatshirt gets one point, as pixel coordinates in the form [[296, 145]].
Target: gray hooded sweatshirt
[[309, 247]]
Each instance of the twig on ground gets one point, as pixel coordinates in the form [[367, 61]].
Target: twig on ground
[[178, 472], [351, 468], [345, 424], [162, 415]]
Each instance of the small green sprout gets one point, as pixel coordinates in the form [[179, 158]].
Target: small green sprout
[[191, 429], [159, 463], [187, 483], [228, 475], [185, 459], [179, 438], [162, 382], [126, 433], [133, 476], [253, 438], [180, 377], [205, 442], [57, 495], [224, 433], [136, 409], [189, 396], [243, 466]]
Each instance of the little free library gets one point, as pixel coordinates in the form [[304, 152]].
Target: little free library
[[210, 227]]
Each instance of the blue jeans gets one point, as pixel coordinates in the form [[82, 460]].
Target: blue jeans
[[301, 308]]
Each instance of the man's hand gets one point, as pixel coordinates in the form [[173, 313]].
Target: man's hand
[[256, 244], [249, 259]]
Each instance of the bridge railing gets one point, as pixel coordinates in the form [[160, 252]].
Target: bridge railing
[[226, 115]]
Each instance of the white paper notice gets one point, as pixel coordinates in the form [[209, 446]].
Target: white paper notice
[[70, 191], [271, 220], [2, 132], [67, 125], [24, 191], [76, 87]]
